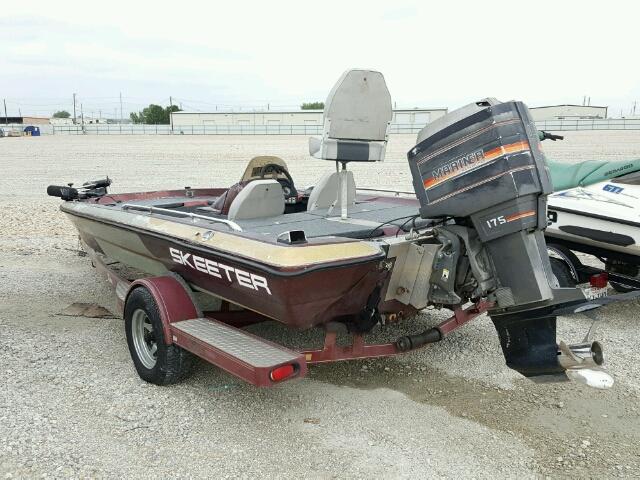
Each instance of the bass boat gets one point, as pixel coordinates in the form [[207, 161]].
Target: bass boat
[[470, 240]]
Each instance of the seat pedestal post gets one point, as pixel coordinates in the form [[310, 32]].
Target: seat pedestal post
[[344, 190]]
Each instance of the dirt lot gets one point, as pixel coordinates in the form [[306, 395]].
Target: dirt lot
[[71, 404]]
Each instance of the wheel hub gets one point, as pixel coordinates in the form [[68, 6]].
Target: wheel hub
[[144, 339]]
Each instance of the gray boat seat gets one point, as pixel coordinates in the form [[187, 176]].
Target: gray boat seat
[[258, 199], [327, 191], [356, 118], [346, 150]]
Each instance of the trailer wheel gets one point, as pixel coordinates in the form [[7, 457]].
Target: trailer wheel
[[155, 361], [562, 272]]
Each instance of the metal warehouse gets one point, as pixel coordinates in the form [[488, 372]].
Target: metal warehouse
[[554, 112], [24, 120], [405, 117]]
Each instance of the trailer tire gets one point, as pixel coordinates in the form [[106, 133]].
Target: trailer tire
[[154, 360], [562, 272]]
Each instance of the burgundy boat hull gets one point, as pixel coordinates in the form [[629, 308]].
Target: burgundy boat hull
[[301, 299]]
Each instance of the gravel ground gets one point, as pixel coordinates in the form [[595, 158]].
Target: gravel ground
[[72, 406]]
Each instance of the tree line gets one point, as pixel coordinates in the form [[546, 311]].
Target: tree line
[[154, 115], [151, 115]]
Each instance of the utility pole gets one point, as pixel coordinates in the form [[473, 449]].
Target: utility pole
[[6, 119], [120, 108], [74, 108], [171, 113], [81, 115]]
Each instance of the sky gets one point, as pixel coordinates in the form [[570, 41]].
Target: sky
[[256, 54]]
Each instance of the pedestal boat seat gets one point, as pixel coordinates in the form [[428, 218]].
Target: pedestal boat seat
[[356, 121]]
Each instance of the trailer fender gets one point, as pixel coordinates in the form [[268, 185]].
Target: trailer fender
[[174, 300], [568, 257]]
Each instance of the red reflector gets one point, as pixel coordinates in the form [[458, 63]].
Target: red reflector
[[599, 280], [280, 373]]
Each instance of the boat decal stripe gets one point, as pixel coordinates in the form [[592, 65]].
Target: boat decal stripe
[[486, 180], [464, 139], [518, 216], [475, 161], [285, 271]]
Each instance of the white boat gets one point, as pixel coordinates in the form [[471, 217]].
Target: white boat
[[596, 210]]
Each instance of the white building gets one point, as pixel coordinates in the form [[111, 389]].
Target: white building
[[558, 112], [409, 118]]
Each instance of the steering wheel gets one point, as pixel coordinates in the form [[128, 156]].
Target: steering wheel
[[288, 188]]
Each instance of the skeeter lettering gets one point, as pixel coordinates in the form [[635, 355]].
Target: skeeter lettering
[[204, 265]]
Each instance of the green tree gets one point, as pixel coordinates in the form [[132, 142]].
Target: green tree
[[169, 110], [61, 114], [312, 106], [154, 115]]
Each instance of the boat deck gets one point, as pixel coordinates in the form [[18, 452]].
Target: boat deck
[[366, 217], [365, 220]]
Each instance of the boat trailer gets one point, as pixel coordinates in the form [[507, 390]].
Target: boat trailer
[[218, 338], [581, 273]]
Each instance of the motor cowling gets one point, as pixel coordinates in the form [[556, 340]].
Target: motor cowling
[[482, 166]]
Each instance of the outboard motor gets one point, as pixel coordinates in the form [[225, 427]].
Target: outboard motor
[[480, 169], [483, 164]]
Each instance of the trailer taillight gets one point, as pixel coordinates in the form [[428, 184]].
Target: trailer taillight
[[282, 373], [599, 280]]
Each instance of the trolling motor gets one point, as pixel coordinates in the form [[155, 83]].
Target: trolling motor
[[481, 172], [542, 135], [91, 189]]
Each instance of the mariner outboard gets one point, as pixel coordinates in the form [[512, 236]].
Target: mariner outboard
[[481, 170]]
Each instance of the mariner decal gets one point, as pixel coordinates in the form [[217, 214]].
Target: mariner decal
[[204, 265], [470, 162], [450, 169]]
